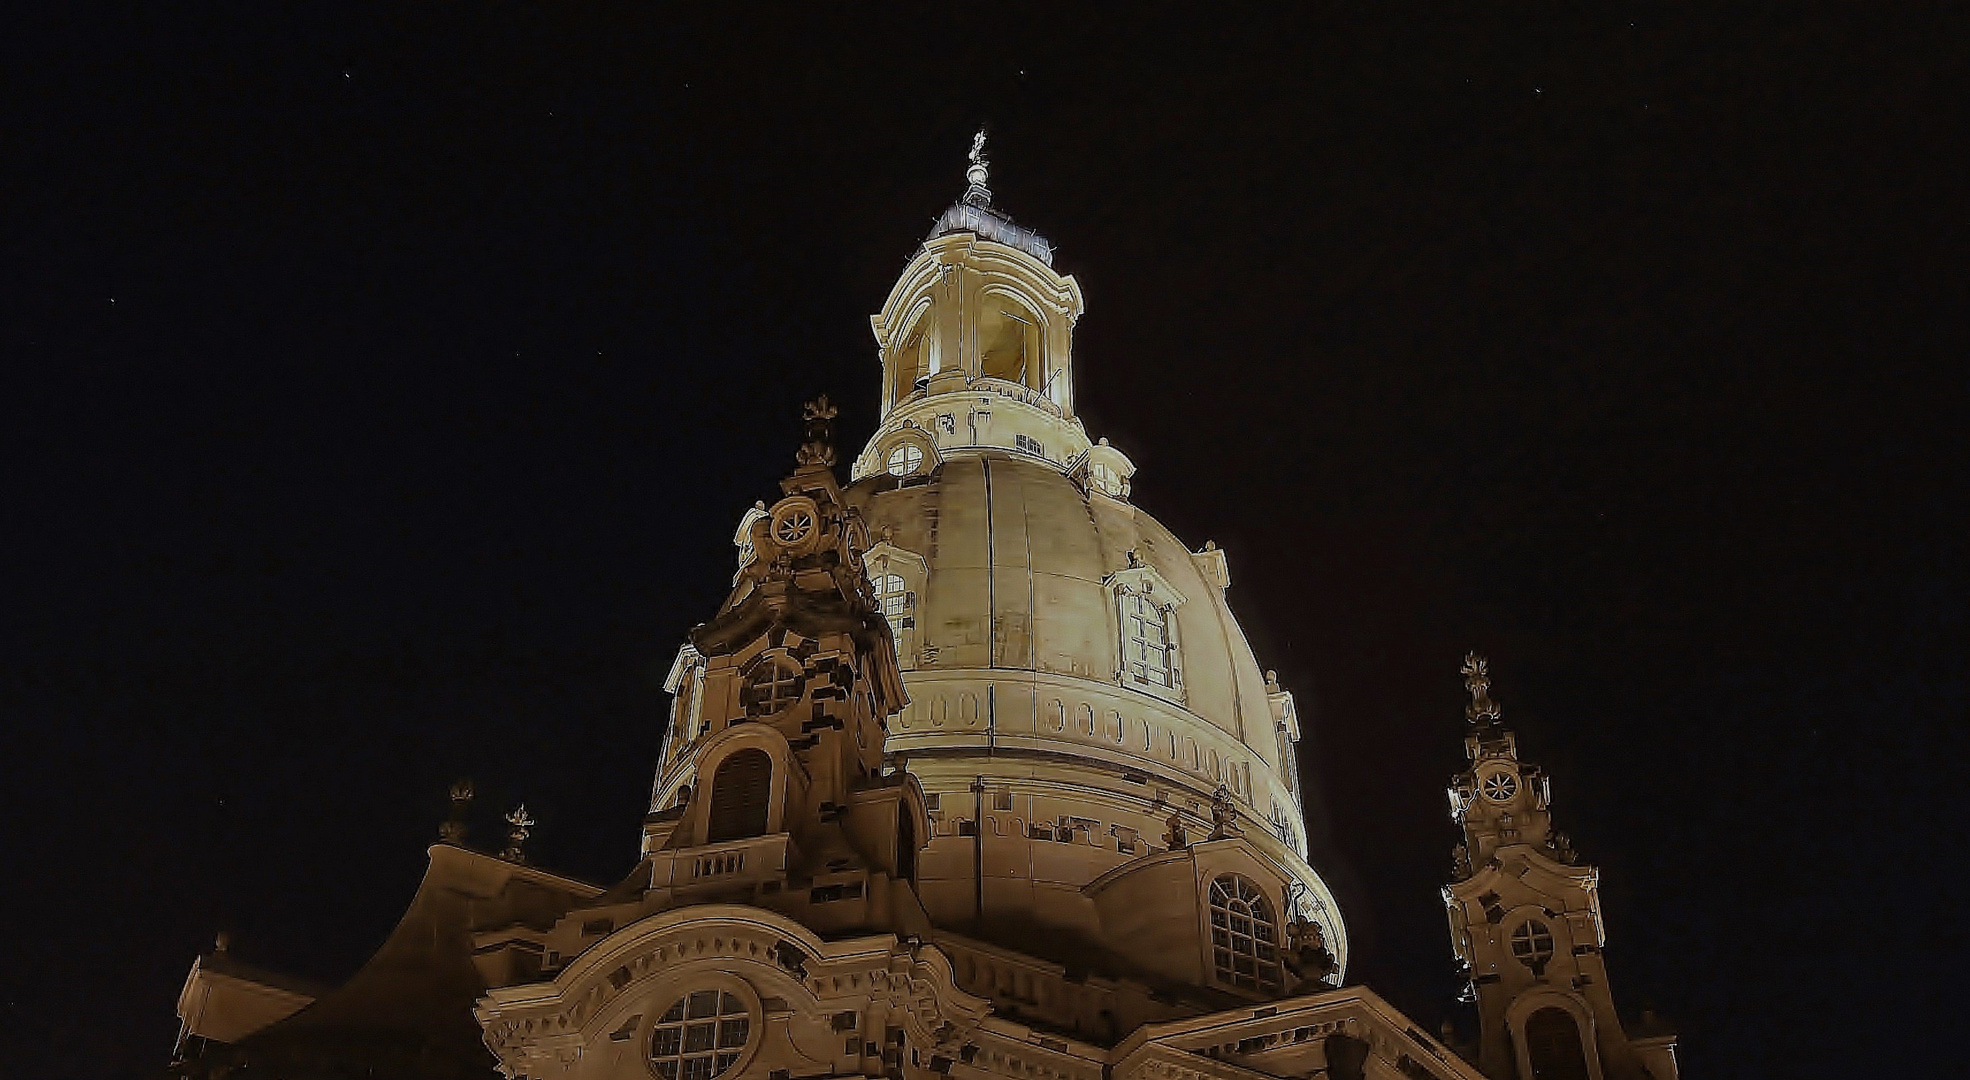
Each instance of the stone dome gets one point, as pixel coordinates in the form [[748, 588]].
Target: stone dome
[[1012, 571], [1085, 713]]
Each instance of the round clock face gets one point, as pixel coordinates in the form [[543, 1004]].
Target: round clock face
[[1499, 786]]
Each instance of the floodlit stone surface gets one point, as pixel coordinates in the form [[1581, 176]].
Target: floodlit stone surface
[[973, 773]]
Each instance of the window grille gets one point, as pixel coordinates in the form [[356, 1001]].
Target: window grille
[[1029, 445], [893, 598], [700, 1037], [1532, 945], [1244, 939], [905, 459], [773, 684], [1148, 630]]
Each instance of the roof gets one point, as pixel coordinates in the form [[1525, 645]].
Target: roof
[[409, 1009], [990, 224]]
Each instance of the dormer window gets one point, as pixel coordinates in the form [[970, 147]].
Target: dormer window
[[1104, 469], [905, 459], [1147, 633], [892, 596], [907, 452], [895, 578], [1150, 648]]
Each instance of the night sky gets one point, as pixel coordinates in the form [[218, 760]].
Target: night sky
[[382, 387]]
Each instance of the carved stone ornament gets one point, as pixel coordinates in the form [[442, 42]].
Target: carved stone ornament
[[1477, 680], [817, 447]]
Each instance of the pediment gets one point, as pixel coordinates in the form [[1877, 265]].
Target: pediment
[[794, 986], [1522, 868], [1145, 580]]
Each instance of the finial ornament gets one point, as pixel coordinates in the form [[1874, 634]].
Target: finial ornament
[[1224, 815], [1306, 956], [977, 194], [453, 830], [516, 837], [818, 445], [1477, 680], [1176, 836]]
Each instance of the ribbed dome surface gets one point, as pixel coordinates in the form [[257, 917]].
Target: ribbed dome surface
[[1017, 555]]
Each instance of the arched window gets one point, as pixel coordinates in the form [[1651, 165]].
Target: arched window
[[910, 364], [1552, 1045], [1146, 636], [893, 598], [740, 792], [1244, 939], [1009, 341]]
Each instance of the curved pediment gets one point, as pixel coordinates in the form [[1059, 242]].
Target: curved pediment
[[794, 992]]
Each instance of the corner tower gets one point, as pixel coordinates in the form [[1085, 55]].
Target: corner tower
[[1109, 775], [1525, 921]]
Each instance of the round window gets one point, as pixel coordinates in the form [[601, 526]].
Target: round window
[[1499, 786], [905, 459], [701, 1036], [793, 523], [1532, 944], [773, 684]]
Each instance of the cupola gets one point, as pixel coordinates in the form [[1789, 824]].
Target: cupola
[[976, 343]]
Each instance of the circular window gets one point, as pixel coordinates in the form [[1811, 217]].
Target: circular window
[[1500, 786], [1532, 944], [793, 524], [773, 685], [905, 459], [701, 1036]]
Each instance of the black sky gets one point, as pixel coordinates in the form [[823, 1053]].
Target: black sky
[[382, 385]]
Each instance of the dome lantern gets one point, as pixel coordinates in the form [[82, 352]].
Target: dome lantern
[[976, 342]]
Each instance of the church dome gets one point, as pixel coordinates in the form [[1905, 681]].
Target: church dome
[[1081, 698], [1013, 567]]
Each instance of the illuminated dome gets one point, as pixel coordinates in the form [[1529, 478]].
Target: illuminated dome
[[1075, 674]]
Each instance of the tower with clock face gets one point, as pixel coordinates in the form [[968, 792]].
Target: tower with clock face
[[1525, 920]]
